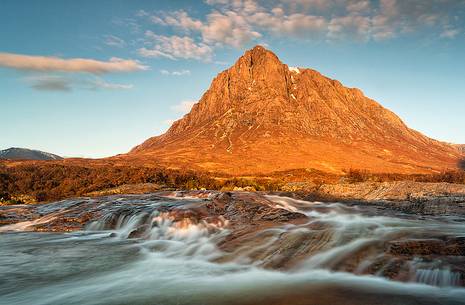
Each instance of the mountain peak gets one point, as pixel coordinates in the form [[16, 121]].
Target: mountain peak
[[260, 65], [259, 54], [17, 153], [261, 115], [259, 48]]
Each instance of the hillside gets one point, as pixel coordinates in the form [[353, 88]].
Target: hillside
[[15, 153]]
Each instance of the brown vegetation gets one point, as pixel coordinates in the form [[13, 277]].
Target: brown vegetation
[[449, 176], [47, 181]]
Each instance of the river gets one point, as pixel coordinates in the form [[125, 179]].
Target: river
[[151, 249]]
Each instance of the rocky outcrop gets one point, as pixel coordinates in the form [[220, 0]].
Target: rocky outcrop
[[460, 148], [262, 116], [272, 232], [447, 246], [395, 191], [240, 209], [411, 197]]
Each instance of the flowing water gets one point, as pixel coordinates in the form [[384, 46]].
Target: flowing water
[[138, 253]]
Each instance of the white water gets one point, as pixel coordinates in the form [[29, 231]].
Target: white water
[[153, 257], [437, 277]]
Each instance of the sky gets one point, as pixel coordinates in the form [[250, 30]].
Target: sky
[[95, 78]]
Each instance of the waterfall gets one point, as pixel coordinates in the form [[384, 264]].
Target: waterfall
[[438, 277], [164, 233]]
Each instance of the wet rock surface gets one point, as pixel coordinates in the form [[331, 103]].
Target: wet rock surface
[[269, 231], [70, 215], [417, 198]]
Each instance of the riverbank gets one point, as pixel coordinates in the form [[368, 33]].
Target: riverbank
[[46, 181], [408, 196]]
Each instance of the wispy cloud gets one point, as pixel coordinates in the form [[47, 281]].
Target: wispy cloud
[[176, 73], [99, 83], [241, 22], [175, 47], [169, 121], [115, 41], [450, 33], [183, 106], [66, 83], [50, 83], [44, 63]]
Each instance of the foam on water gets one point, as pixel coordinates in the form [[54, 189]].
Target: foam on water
[[437, 277], [162, 232], [146, 256], [156, 279]]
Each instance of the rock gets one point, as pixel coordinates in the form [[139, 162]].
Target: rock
[[417, 247], [260, 116], [254, 228], [407, 196], [140, 188], [427, 247]]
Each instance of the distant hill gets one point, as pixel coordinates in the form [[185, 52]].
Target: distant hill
[[15, 153], [261, 116]]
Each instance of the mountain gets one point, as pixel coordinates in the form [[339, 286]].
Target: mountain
[[15, 153], [461, 148], [261, 116]]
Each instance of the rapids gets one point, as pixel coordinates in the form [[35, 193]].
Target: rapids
[[166, 249]]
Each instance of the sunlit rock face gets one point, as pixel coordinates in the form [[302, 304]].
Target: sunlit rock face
[[261, 116], [242, 248]]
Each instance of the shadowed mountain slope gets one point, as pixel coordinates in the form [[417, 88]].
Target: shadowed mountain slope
[[15, 153]]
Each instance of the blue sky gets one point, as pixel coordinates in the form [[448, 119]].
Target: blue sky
[[95, 78]]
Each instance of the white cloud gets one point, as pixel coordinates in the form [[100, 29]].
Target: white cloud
[[395, 17], [228, 28], [174, 47], [296, 5], [142, 13], [176, 73], [178, 19], [238, 23], [99, 83], [296, 25], [169, 121], [450, 33], [359, 7], [114, 41], [184, 106], [213, 2], [354, 26], [43, 63]]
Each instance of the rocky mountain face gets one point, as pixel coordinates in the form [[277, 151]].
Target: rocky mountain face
[[461, 148], [15, 153], [261, 116]]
